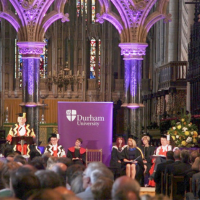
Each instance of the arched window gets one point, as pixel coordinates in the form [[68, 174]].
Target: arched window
[[95, 59], [93, 11]]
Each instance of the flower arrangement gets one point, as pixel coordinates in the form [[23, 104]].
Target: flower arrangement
[[184, 133]]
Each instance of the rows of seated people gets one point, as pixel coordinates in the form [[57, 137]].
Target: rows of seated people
[[58, 178]]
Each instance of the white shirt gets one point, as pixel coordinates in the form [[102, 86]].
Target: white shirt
[[22, 130]]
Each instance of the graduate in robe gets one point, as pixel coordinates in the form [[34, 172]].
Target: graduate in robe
[[21, 129], [77, 153], [54, 148]]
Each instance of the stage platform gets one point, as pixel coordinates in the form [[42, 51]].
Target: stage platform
[[147, 190]]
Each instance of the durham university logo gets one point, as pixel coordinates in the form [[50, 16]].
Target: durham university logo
[[71, 115]]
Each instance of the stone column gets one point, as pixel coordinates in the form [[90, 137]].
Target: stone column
[[133, 53], [31, 52]]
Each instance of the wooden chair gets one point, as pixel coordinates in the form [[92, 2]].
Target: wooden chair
[[175, 180], [93, 155]]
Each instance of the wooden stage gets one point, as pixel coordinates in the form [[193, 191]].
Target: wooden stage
[[147, 190]]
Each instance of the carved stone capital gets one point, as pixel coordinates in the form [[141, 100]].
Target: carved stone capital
[[31, 48], [133, 50]]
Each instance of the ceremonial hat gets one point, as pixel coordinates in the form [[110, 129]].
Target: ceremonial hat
[[22, 115]]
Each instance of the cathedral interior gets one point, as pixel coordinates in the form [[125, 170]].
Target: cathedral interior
[[142, 53]]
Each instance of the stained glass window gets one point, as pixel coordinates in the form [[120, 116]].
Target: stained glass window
[[93, 11], [44, 60], [93, 56], [80, 8]]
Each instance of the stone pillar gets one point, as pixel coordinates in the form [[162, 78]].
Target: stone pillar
[[31, 52], [133, 53]]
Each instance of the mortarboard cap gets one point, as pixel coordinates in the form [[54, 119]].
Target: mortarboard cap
[[133, 137], [22, 115]]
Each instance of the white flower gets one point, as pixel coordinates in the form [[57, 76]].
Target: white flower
[[184, 129], [189, 139], [198, 136], [189, 125], [174, 128], [177, 136], [178, 123], [192, 133]]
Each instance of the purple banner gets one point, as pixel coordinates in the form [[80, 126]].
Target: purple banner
[[91, 121]]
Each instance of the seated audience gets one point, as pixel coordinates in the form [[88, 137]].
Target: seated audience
[[77, 154], [54, 148], [125, 188], [133, 160], [116, 156], [77, 182], [161, 169]]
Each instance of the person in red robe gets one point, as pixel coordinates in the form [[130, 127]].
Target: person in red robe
[[77, 154], [54, 148], [21, 129]]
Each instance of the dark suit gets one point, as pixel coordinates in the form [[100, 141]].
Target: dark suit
[[157, 178]]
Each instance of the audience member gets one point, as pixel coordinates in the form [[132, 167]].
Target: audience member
[[20, 159], [45, 194], [77, 153], [23, 183], [48, 179], [60, 169], [72, 173], [101, 189], [161, 169], [125, 188], [7, 170], [92, 173], [54, 148], [38, 163], [77, 182]]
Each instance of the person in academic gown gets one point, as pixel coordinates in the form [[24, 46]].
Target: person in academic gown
[[54, 148], [76, 153], [133, 160]]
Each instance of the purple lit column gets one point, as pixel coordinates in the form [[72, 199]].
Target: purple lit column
[[133, 53], [31, 52]]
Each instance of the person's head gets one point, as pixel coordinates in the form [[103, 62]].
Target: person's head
[[60, 169], [73, 171], [77, 182], [185, 156], [170, 155], [131, 143], [38, 162], [21, 119], [44, 194], [48, 179], [145, 140], [120, 141], [53, 139], [102, 184], [193, 155], [177, 154], [163, 140], [125, 188], [21, 184], [20, 159], [78, 142], [93, 172], [7, 169]]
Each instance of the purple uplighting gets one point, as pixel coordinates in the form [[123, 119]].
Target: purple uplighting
[[133, 78], [127, 74]]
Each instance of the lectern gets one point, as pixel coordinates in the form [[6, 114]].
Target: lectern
[[22, 140]]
